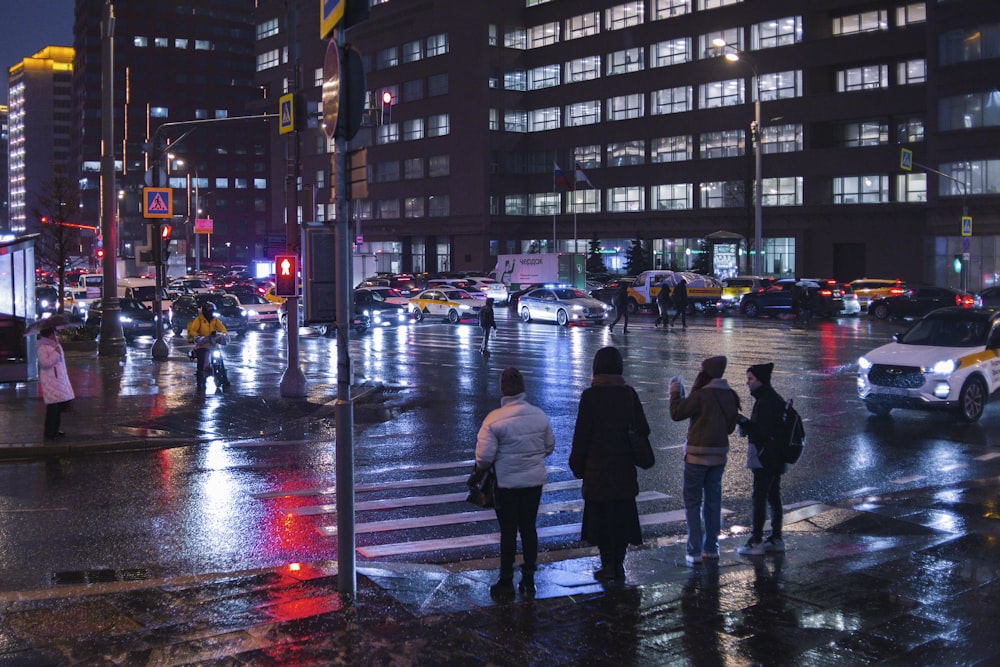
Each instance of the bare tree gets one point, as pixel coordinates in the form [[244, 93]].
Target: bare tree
[[58, 207]]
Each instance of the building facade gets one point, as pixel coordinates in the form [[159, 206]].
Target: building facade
[[189, 68], [653, 100], [38, 132]]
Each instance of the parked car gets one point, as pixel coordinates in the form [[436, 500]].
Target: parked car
[[371, 306], [734, 288], [948, 359], [918, 300], [851, 304], [989, 297], [453, 304], [868, 289], [136, 319], [387, 294], [609, 292], [493, 289], [227, 308], [562, 305], [779, 297]]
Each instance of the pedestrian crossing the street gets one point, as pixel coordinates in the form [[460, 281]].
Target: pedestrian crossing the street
[[415, 511]]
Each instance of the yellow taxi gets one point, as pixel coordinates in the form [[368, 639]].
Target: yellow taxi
[[272, 297], [452, 304], [869, 289]]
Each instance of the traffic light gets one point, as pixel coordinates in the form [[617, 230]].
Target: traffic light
[[100, 253], [165, 232], [286, 275], [386, 107], [958, 264]]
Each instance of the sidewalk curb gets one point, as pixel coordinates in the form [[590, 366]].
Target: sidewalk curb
[[13, 451]]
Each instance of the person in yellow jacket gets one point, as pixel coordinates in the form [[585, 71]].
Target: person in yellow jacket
[[199, 332]]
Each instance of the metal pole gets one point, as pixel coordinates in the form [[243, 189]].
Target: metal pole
[[293, 380], [112, 337], [755, 130], [344, 410], [197, 237]]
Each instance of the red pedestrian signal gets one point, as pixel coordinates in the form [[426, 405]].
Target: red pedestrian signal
[[286, 275], [100, 253], [165, 232]]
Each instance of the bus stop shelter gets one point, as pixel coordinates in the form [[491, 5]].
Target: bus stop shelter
[[17, 309]]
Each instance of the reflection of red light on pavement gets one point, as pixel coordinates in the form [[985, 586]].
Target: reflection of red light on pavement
[[294, 567]]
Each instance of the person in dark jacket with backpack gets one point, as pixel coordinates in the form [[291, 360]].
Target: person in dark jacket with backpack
[[487, 321], [766, 458]]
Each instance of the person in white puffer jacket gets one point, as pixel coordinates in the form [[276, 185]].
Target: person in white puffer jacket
[[515, 439], [53, 380]]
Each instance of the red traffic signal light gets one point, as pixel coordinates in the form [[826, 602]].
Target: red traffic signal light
[[386, 107], [165, 232], [100, 253], [286, 275]]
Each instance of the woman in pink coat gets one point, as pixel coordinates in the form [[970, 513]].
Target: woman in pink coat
[[53, 380]]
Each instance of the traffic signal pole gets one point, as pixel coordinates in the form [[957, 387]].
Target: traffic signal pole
[[293, 380]]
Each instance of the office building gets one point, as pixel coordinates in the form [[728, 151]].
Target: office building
[[654, 100], [39, 94], [189, 67], [4, 174]]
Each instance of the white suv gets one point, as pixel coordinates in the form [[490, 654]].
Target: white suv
[[494, 289], [949, 359]]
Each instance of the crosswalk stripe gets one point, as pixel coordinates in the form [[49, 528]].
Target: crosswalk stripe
[[401, 548], [379, 486], [415, 501], [468, 517]]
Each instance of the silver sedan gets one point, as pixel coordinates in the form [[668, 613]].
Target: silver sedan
[[562, 305]]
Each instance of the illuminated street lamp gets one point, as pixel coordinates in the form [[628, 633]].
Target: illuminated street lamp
[[735, 55]]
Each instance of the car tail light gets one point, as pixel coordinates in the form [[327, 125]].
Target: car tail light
[[825, 292], [895, 291]]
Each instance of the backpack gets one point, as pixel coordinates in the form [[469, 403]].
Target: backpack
[[793, 434]]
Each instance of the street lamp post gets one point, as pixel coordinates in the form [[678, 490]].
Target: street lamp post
[[734, 55]]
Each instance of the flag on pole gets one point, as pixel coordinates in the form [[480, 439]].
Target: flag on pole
[[559, 177], [582, 177]]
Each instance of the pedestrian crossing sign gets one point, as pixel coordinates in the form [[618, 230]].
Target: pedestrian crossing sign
[[286, 113], [157, 203]]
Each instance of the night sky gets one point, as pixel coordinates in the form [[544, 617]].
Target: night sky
[[28, 26]]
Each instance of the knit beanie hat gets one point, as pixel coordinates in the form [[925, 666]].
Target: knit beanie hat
[[714, 366], [608, 361], [511, 382], [762, 372]]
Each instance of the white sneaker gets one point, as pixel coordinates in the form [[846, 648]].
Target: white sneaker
[[751, 548], [772, 545], [692, 559]]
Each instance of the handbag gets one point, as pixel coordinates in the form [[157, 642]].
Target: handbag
[[482, 487], [642, 450]]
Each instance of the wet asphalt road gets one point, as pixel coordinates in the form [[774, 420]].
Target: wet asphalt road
[[226, 506]]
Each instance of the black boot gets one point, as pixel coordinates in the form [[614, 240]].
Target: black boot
[[503, 590], [607, 571], [527, 583], [619, 563]]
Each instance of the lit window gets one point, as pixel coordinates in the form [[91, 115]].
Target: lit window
[[515, 120], [672, 197], [161, 42], [583, 113], [543, 35], [671, 100], [671, 149], [413, 129], [625, 107], [785, 138], [268, 59], [158, 112], [912, 13], [140, 41], [863, 78], [720, 94], [202, 45], [780, 85], [624, 16], [626, 153], [723, 194], [544, 203], [629, 60], [874, 132], [546, 76], [437, 45], [911, 71], [872, 189], [785, 191], [413, 51], [438, 125], [583, 25], [727, 143], [731, 37], [515, 38], [180, 43], [776, 32], [583, 69], [911, 188], [515, 205], [387, 134], [872, 21], [413, 207], [543, 119], [630, 199], [715, 4], [665, 9], [671, 52], [515, 80], [268, 28]]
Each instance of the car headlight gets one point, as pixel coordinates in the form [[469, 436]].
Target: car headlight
[[577, 307], [946, 367], [864, 364], [243, 313], [463, 307], [253, 313], [125, 319]]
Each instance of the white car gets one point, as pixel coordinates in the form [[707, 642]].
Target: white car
[[493, 289], [260, 310], [949, 359], [562, 305]]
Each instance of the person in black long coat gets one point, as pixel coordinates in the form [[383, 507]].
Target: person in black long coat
[[602, 457], [680, 298], [621, 306]]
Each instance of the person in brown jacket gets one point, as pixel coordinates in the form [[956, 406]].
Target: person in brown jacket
[[602, 457], [713, 408]]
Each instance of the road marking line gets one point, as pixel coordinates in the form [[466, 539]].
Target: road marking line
[[468, 517], [378, 486], [415, 501], [400, 548], [988, 457], [952, 466], [864, 490]]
